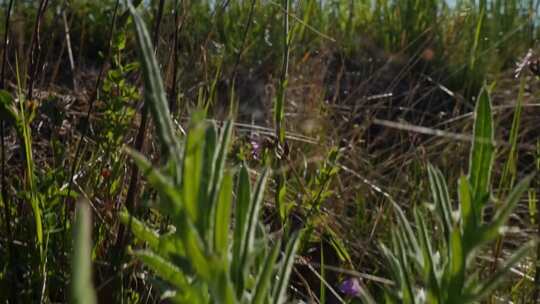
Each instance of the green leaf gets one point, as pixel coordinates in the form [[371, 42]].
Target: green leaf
[[185, 292], [241, 221], [219, 169], [456, 269], [163, 268], [223, 216], [222, 289], [406, 278], [430, 268], [207, 173], [280, 292], [263, 282], [140, 230], [82, 290], [439, 191], [482, 152], [192, 170], [154, 90], [165, 187], [410, 240], [167, 245], [468, 219], [252, 218], [194, 248]]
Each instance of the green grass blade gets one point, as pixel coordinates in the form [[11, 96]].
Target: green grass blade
[[510, 166], [82, 291]]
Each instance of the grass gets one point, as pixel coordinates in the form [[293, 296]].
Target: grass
[[348, 117]]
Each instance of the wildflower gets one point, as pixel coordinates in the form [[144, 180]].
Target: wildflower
[[256, 147], [350, 287]]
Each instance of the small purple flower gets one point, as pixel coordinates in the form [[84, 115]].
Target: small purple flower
[[256, 147], [350, 287]]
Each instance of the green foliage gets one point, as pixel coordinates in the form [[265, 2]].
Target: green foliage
[[430, 271], [202, 259]]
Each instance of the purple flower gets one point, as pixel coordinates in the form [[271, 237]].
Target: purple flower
[[256, 147], [350, 287]]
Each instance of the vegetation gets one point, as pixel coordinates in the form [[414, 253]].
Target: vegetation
[[132, 133]]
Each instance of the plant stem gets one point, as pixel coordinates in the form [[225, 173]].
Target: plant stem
[[177, 29]]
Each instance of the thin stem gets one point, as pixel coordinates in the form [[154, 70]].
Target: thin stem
[[35, 48], [173, 106], [244, 38]]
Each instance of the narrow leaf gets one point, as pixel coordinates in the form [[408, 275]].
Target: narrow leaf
[[223, 216], [263, 282], [240, 227], [482, 151], [280, 292], [154, 90], [219, 168], [82, 291], [251, 220]]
